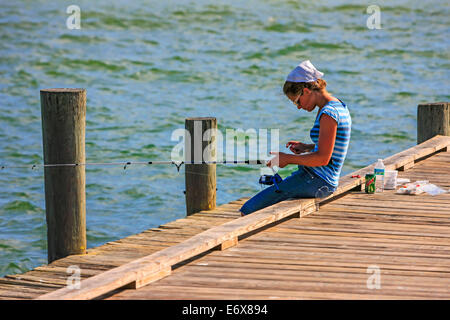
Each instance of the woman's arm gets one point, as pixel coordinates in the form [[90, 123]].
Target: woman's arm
[[327, 137], [298, 147]]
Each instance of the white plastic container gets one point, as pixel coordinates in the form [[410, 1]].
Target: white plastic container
[[390, 179], [379, 173]]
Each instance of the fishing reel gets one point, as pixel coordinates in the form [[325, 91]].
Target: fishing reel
[[269, 180]]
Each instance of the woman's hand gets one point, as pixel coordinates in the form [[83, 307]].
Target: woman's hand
[[280, 160], [298, 147]]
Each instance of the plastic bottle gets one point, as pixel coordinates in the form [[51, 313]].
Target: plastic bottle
[[379, 173]]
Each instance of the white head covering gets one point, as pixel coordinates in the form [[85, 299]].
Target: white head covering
[[304, 72]]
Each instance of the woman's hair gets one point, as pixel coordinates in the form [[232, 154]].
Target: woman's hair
[[295, 88]]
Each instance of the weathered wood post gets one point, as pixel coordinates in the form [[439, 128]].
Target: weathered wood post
[[432, 119], [63, 132], [200, 146]]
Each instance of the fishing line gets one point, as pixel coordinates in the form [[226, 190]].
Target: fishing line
[[177, 164]]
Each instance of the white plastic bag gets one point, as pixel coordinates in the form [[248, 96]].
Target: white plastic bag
[[433, 189], [412, 188], [419, 187]]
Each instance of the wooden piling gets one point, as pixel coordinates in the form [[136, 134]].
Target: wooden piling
[[200, 146], [432, 119], [63, 132]]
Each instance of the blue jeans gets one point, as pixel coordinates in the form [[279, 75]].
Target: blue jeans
[[303, 183]]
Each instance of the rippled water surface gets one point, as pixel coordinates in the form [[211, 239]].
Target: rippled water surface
[[147, 65]]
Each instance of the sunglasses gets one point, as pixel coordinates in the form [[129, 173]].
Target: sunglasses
[[296, 101]]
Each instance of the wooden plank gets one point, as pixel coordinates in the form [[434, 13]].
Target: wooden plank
[[441, 264], [347, 215], [433, 230], [367, 235], [294, 286], [358, 280], [436, 212], [370, 231], [296, 239], [19, 288], [392, 199], [346, 250], [266, 267], [313, 207], [150, 278], [193, 273], [421, 211], [342, 262], [171, 292], [310, 243], [31, 284], [228, 243], [406, 166]]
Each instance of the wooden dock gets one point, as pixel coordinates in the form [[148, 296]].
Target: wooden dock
[[333, 248]]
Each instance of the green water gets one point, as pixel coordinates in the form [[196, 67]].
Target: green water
[[148, 65]]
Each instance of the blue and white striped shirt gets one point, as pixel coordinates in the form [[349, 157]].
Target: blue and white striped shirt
[[339, 112]]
